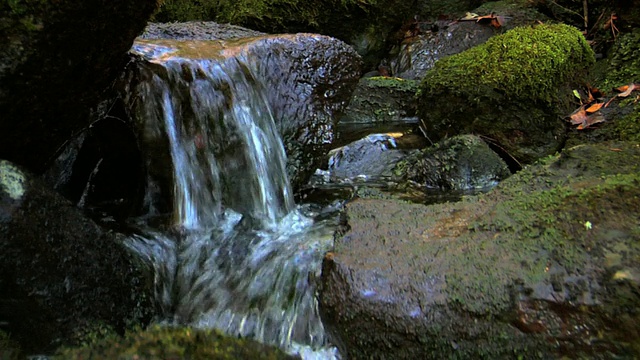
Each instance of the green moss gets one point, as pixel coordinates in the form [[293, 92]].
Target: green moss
[[392, 82], [258, 14], [9, 349], [537, 218], [527, 63], [628, 127], [172, 343], [623, 63]]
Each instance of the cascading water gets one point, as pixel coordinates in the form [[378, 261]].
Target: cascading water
[[239, 256]]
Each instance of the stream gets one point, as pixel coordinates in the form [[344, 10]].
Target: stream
[[238, 255]]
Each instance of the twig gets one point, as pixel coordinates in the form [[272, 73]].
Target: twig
[[567, 9]]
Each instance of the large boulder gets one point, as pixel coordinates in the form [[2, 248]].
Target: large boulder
[[514, 89], [57, 60], [543, 266], [415, 55], [307, 80], [61, 275]]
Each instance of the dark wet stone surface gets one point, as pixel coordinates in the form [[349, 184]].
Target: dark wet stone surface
[[543, 266], [58, 63], [61, 275], [196, 30]]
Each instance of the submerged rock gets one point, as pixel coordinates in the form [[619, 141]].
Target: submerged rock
[[60, 274], [543, 266], [462, 162], [514, 89]]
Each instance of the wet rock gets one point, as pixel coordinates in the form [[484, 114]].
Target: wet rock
[[57, 61], [371, 157], [417, 54], [196, 30], [308, 81], [60, 274], [514, 90], [462, 162], [533, 269], [382, 99]]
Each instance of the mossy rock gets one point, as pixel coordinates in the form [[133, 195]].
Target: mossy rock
[[514, 89], [173, 343], [501, 275], [382, 99], [462, 162]]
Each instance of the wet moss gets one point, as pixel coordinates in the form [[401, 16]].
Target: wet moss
[[555, 214], [172, 343], [526, 63]]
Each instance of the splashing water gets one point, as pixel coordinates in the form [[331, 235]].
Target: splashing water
[[240, 257]]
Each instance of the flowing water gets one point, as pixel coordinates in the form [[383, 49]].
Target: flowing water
[[239, 255]]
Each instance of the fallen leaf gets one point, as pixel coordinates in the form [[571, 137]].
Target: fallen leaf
[[579, 116], [591, 119], [470, 16], [627, 89], [593, 108], [497, 21], [577, 94]]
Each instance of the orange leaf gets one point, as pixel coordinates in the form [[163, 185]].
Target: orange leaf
[[591, 119], [595, 107]]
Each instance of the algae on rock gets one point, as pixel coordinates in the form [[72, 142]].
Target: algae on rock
[[500, 275], [513, 89], [173, 343]]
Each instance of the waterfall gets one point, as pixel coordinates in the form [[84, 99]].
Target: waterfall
[[238, 256]]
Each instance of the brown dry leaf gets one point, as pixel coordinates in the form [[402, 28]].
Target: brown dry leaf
[[595, 107], [627, 89], [497, 21], [579, 116], [591, 119]]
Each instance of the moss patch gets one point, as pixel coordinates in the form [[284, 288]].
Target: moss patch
[[173, 343], [525, 63], [514, 90]]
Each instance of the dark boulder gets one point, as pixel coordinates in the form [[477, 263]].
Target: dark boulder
[[57, 59], [461, 163], [61, 275]]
